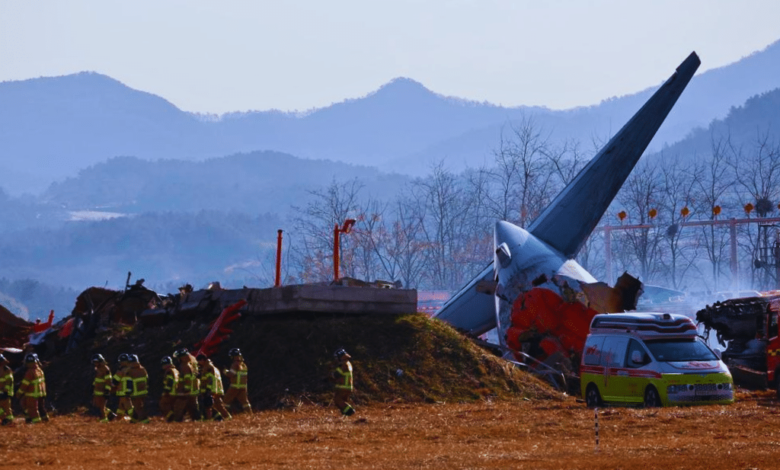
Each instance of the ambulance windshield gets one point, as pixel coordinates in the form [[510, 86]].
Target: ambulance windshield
[[680, 350]]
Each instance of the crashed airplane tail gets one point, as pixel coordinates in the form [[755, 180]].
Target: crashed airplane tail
[[569, 220], [556, 236]]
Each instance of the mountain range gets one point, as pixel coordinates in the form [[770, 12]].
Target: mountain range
[[50, 128]]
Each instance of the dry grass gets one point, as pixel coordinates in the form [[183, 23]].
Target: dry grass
[[484, 434]]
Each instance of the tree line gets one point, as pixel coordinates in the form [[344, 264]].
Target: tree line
[[438, 232]]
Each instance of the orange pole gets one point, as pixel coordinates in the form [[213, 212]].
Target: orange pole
[[336, 253], [278, 282]]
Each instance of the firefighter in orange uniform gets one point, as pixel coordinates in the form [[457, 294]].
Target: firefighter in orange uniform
[[122, 388], [6, 392], [193, 364], [140, 388], [212, 390], [238, 381], [33, 389], [342, 377], [187, 390], [170, 382], [101, 388]]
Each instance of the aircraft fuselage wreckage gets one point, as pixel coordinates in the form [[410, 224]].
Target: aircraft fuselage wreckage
[[539, 299]]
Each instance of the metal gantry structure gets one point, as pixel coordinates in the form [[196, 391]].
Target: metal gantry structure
[[768, 254]]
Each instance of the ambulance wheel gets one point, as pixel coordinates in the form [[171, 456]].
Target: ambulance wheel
[[592, 396], [652, 400]]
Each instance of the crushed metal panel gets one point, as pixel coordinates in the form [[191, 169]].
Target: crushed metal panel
[[621, 298]]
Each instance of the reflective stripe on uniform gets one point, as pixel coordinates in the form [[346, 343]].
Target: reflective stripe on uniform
[[7, 386], [347, 376], [240, 378], [37, 387], [136, 392], [170, 382], [189, 384], [212, 382]]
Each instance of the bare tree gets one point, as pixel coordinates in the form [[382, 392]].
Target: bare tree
[[365, 258], [313, 228], [757, 173], [521, 182], [567, 160], [445, 205], [640, 194], [714, 185], [405, 247], [676, 195]]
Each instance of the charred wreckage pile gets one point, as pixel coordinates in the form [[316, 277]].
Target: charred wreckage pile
[[99, 309]]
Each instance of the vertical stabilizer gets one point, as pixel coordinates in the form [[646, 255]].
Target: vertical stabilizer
[[569, 220]]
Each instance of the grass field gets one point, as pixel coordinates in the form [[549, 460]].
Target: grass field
[[502, 434]]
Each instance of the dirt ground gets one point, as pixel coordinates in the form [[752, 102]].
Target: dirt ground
[[503, 434]]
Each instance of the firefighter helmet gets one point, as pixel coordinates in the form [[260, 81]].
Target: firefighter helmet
[[132, 358], [3, 359], [166, 361], [180, 352], [123, 357], [98, 358], [30, 358], [234, 352], [341, 352]]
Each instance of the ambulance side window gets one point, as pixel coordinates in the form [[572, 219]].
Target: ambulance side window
[[614, 351], [640, 354], [593, 346]]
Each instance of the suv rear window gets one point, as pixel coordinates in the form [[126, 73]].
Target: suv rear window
[[680, 350]]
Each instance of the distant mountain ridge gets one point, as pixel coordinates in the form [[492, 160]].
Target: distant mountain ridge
[[52, 127], [250, 183], [757, 119]]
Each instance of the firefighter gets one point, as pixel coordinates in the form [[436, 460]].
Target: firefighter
[[101, 388], [187, 389], [342, 377], [211, 389], [122, 388], [238, 381], [6, 391], [42, 400], [140, 388], [183, 352], [170, 382], [33, 389]]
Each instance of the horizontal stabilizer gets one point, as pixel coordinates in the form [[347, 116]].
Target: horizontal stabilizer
[[473, 308]]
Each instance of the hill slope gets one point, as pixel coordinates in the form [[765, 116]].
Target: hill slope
[[759, 117], [290, 359], [259, 182]]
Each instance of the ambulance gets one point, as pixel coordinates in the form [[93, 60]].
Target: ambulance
[[651, 359]]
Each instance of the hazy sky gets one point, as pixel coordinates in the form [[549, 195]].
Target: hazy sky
[[230, 55]]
